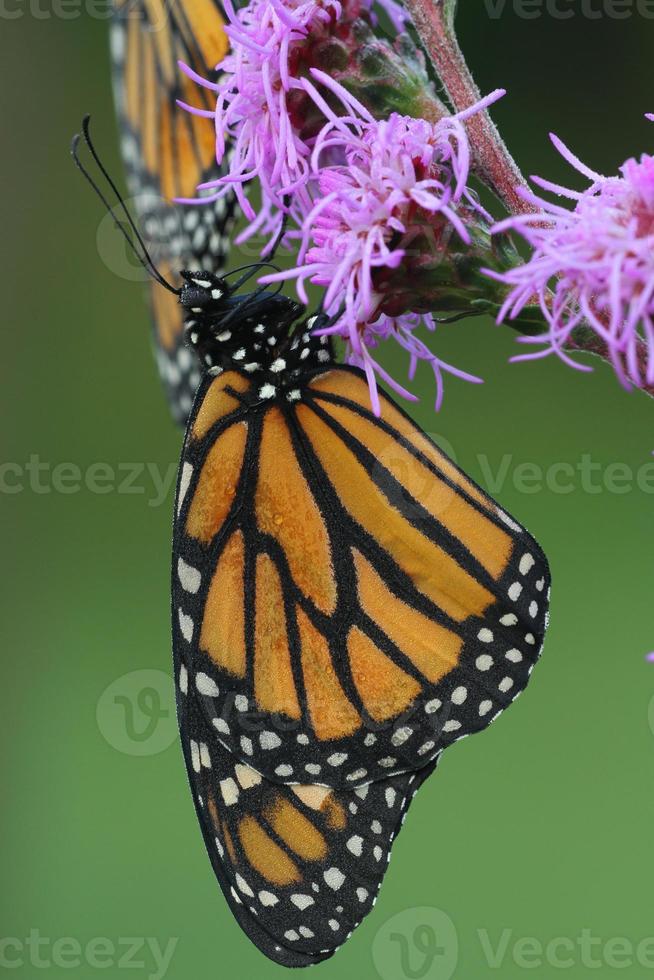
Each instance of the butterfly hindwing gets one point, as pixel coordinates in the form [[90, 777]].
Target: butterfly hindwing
[[167, 153], [342, 585], [300, 866]]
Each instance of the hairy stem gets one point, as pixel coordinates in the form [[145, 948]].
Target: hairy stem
[[433, 22]]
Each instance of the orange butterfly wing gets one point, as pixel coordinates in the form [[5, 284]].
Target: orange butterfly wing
[[350, 583], [167, 153]]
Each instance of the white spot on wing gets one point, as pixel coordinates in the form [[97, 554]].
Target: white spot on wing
[[206, 685], [302, 901], [243, 886], [247, 776], [189, 577], [269, 740], [401, 735], [185, 479], [334, 878], [229, 791], [526, 563], [509, 521], [186, 626]]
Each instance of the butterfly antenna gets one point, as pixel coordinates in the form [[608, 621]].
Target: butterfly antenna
[[145, 258], [146, 255], [250, 269]]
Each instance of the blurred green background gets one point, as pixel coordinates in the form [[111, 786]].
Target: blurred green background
[[539, 829]]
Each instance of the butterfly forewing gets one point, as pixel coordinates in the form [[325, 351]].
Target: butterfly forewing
[[354, 601], [167, 153]]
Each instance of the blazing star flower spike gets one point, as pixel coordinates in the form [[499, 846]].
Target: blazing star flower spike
[[592, 268], [392, 178]]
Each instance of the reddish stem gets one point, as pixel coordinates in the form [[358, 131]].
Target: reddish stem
[[494, 162]]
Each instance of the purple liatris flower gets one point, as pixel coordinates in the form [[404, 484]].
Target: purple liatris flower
[[254, 98], [592, 268], [265, 121], [378, 185], [262, 111]]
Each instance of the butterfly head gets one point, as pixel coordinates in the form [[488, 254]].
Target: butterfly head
[[203, 294]]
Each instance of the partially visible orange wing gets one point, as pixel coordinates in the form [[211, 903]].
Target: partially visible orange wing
[[167, 153], [350, 580], [149, 37]]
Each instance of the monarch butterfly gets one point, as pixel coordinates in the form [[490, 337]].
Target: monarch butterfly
[[346, 604], [167, 152]]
